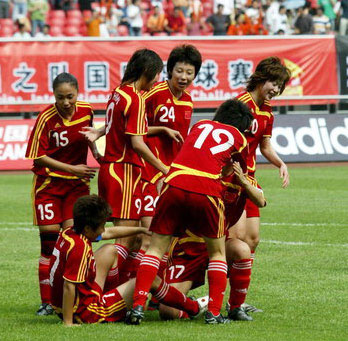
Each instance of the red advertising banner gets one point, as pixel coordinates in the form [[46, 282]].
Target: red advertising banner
[[14, 136], [29, 67]]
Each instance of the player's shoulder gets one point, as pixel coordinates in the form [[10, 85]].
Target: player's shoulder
[[47, 115], [157, 90], [75, 241], [83, 104], [266, 106], [244, 97], [186, 96]]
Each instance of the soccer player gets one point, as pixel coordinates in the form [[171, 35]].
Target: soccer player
[[268, 80], [77, 275], [192, 199], [60, 171], [126, 126], [188, 257]]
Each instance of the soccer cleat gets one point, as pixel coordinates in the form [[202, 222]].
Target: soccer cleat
[[239, 314], [212, 319], [248, 308], [202, 305], [44, 310], [152, 305], [135, 315]]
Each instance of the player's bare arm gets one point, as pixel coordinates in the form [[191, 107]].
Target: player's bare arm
[[270, 154], [172, 133], [92, 134], [68, 302], [254, 193], [81, 171], [143, 150], [123, 231]]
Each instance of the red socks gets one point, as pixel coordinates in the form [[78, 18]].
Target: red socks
[[217, 279], [146, 275], [239, 277], [112, 279], [172, 297]]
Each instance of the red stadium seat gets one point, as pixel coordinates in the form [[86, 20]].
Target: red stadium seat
[[6, 22], [74, 13], [72, 31], [122, 30], [160, 34], [86, 14], [178, 34], [74, 21], [56, 22], [6, 31], [56, 31], [58, 13], [83, 29]]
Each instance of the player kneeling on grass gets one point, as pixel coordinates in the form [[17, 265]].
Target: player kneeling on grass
[[77, 275]]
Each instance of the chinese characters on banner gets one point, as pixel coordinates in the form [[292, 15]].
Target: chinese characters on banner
[[99, 66]]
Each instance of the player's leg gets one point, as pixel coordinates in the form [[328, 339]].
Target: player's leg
[[217, 277], [239, 272]]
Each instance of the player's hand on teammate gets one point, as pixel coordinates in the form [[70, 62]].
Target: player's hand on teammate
[[91, 134], [238, 171], [175, 135], [83, 171], [284, 174]]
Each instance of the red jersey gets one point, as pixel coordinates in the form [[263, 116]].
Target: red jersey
[[207, 149], [165, 110], [72, 260], [125, 116], [261, 127], [59, 138]]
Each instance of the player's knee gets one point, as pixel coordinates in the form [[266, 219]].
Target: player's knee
[[253, 242]]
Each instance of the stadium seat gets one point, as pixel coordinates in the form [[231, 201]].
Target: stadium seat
[[160, 34], [122, 30], [56, 22], [58, 13], [6, 22], [86, 14], [56, 31], [6, 31], [208, 9], [74, 13], [73, 21], [83, 29], [178, 34], [72, 31]]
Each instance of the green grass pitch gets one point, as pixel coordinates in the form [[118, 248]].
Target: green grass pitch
[[300, 276]]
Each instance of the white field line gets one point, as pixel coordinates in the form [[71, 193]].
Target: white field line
[[280, 242]]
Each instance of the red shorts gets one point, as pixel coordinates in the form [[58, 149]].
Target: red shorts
[[251, 209], [119, 185], [108, 307], [54, 198], [178, 210], [149, 199], [187, 262]]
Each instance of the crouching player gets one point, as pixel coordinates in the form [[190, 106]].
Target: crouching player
[[77, 276], [188, 256]]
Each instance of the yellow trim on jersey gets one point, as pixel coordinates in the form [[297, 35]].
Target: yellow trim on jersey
[[70, 240], [106, 311], [72, 123], [221, 212], [115, 176], [228, 184], [126, 97], [123, 154], [171, 249], [157, 109], [33, 199], [164, 189], [142, 134], [157, 88], [190, 171], [81, 275], [178, 102], [136, 182], [38, 131], [191, 238], [56, 175], [247, 97], [83, 104], [157, 176], [127, 189], [141, 117]]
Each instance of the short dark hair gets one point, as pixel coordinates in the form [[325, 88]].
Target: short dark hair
[[235, 113], [184, 54], [65, 77], [143, 62], [90, 210], [269, 69]]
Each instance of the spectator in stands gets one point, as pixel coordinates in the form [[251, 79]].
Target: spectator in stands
[[38, 10], [22, 33], [257, 28], [328, 7], [280, 22], [195, 26], [20, 9], [241, 27], [219, 22], [93, 24], [175, 22], [183, 5], [113, 20], [321, 23], [229, 7], [4, 8], [344, 18], [45, 32], [155, 21], [85, 5], [254, 11], [65, 5], [304, 21], [134, 18], [271, 15]]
